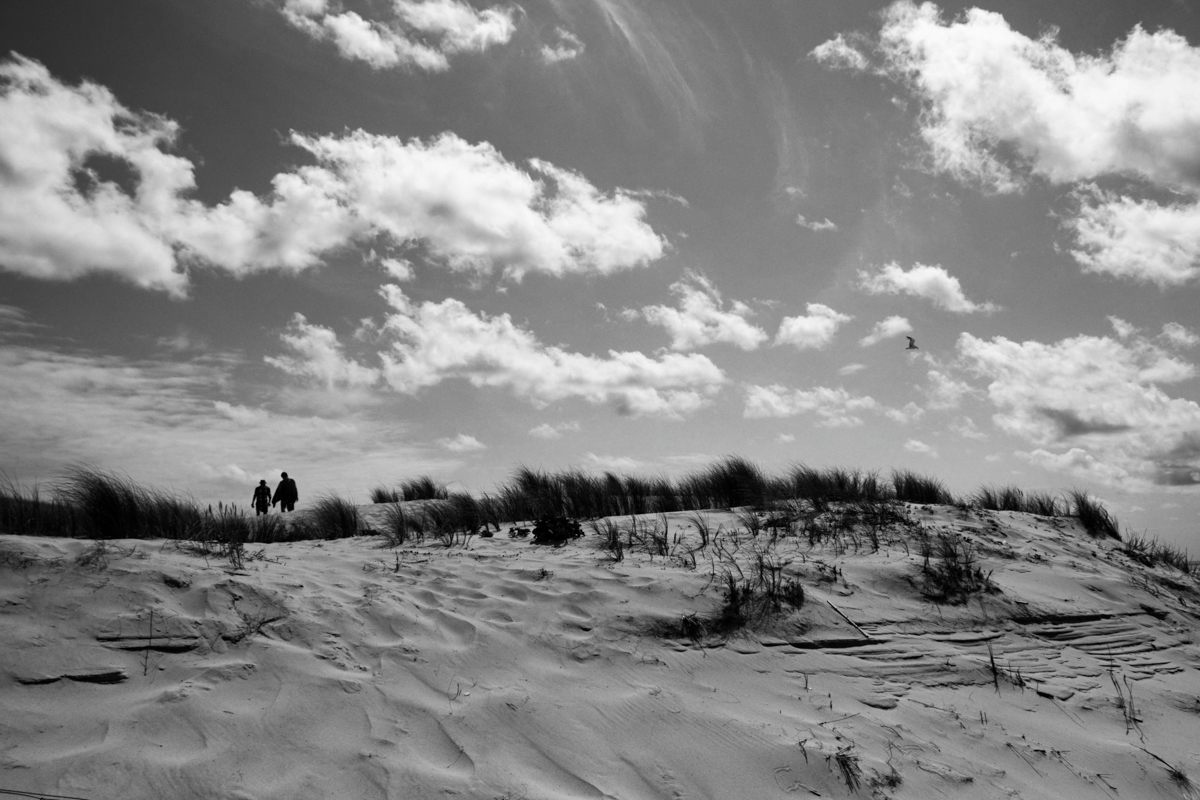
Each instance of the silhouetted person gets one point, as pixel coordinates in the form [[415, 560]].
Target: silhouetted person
[[262, 498], [285, 494]]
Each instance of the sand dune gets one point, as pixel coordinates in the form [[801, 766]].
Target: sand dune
[[502, 669]]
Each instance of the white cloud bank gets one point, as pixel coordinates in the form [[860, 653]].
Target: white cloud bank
[[60, 218], [932, 283], [1094, 406], [701, 320], [1001, 108], [434, 342], [461, 443], [813, 331], [423, 34]]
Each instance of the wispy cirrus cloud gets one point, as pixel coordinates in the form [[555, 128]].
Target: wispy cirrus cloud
[[421, 34], [701, 318], [933, 283], [61, 217], [1000, 109]]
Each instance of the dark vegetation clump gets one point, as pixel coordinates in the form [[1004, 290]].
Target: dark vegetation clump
[[333, 517], [1093, 516], [556, 531], [420, 488], [912, 487], [950, 569], [1151, 552], [1012, 498]]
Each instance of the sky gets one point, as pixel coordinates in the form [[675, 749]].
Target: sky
[[365, 241]]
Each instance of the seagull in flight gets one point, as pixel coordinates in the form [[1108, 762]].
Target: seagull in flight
[[912, 344]]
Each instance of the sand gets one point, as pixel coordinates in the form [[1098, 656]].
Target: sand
[[502, 669]]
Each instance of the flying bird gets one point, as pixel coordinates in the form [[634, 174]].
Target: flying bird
[[912, 344]]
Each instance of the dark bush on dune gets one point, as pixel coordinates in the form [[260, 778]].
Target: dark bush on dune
[[333, 517], [113, 507], [556, 531], [911, 487], [1011, 498], [27, 513]]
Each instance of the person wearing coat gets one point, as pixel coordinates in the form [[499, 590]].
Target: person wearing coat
[[285, 494]]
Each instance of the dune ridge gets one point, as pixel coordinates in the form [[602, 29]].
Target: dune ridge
[[496, 668]]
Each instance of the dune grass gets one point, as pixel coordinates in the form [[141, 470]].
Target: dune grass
[[93, 503], [1150, 552]]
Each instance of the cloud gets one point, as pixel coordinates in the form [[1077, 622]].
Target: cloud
[[176, 425], [700, 319], [910, 413], [422, 36], [932, 283], [66, 210], [400, 269], [785, 438], [1179, 336], [850, 369], [1000, 109], [320, 356], [945, 391], [619, 464], [1139, 239], [966, 428], [815, 331], [836, 408], [915, 446], [1087, 401], [555, 431], [434, 342], [824, 225], [462, 443], [837, 53], [887, 329], [566, 46]]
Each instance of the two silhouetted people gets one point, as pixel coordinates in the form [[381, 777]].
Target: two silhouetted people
[[285, 494], [262, 498]]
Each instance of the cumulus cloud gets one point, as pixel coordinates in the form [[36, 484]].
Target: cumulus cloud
[[932, 283], [623, 464], [1000, 108], [462, 443], [566, 46], [945, 391], [63, 213], [887, 329], [812, 331], [1177, 335], [1088, 401], [836, 408], [850, 369], [814, 225], [319, 355], [701, 318], [919, 447], [434, 342], [422, 35], [553, 431], [1141, 239]]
